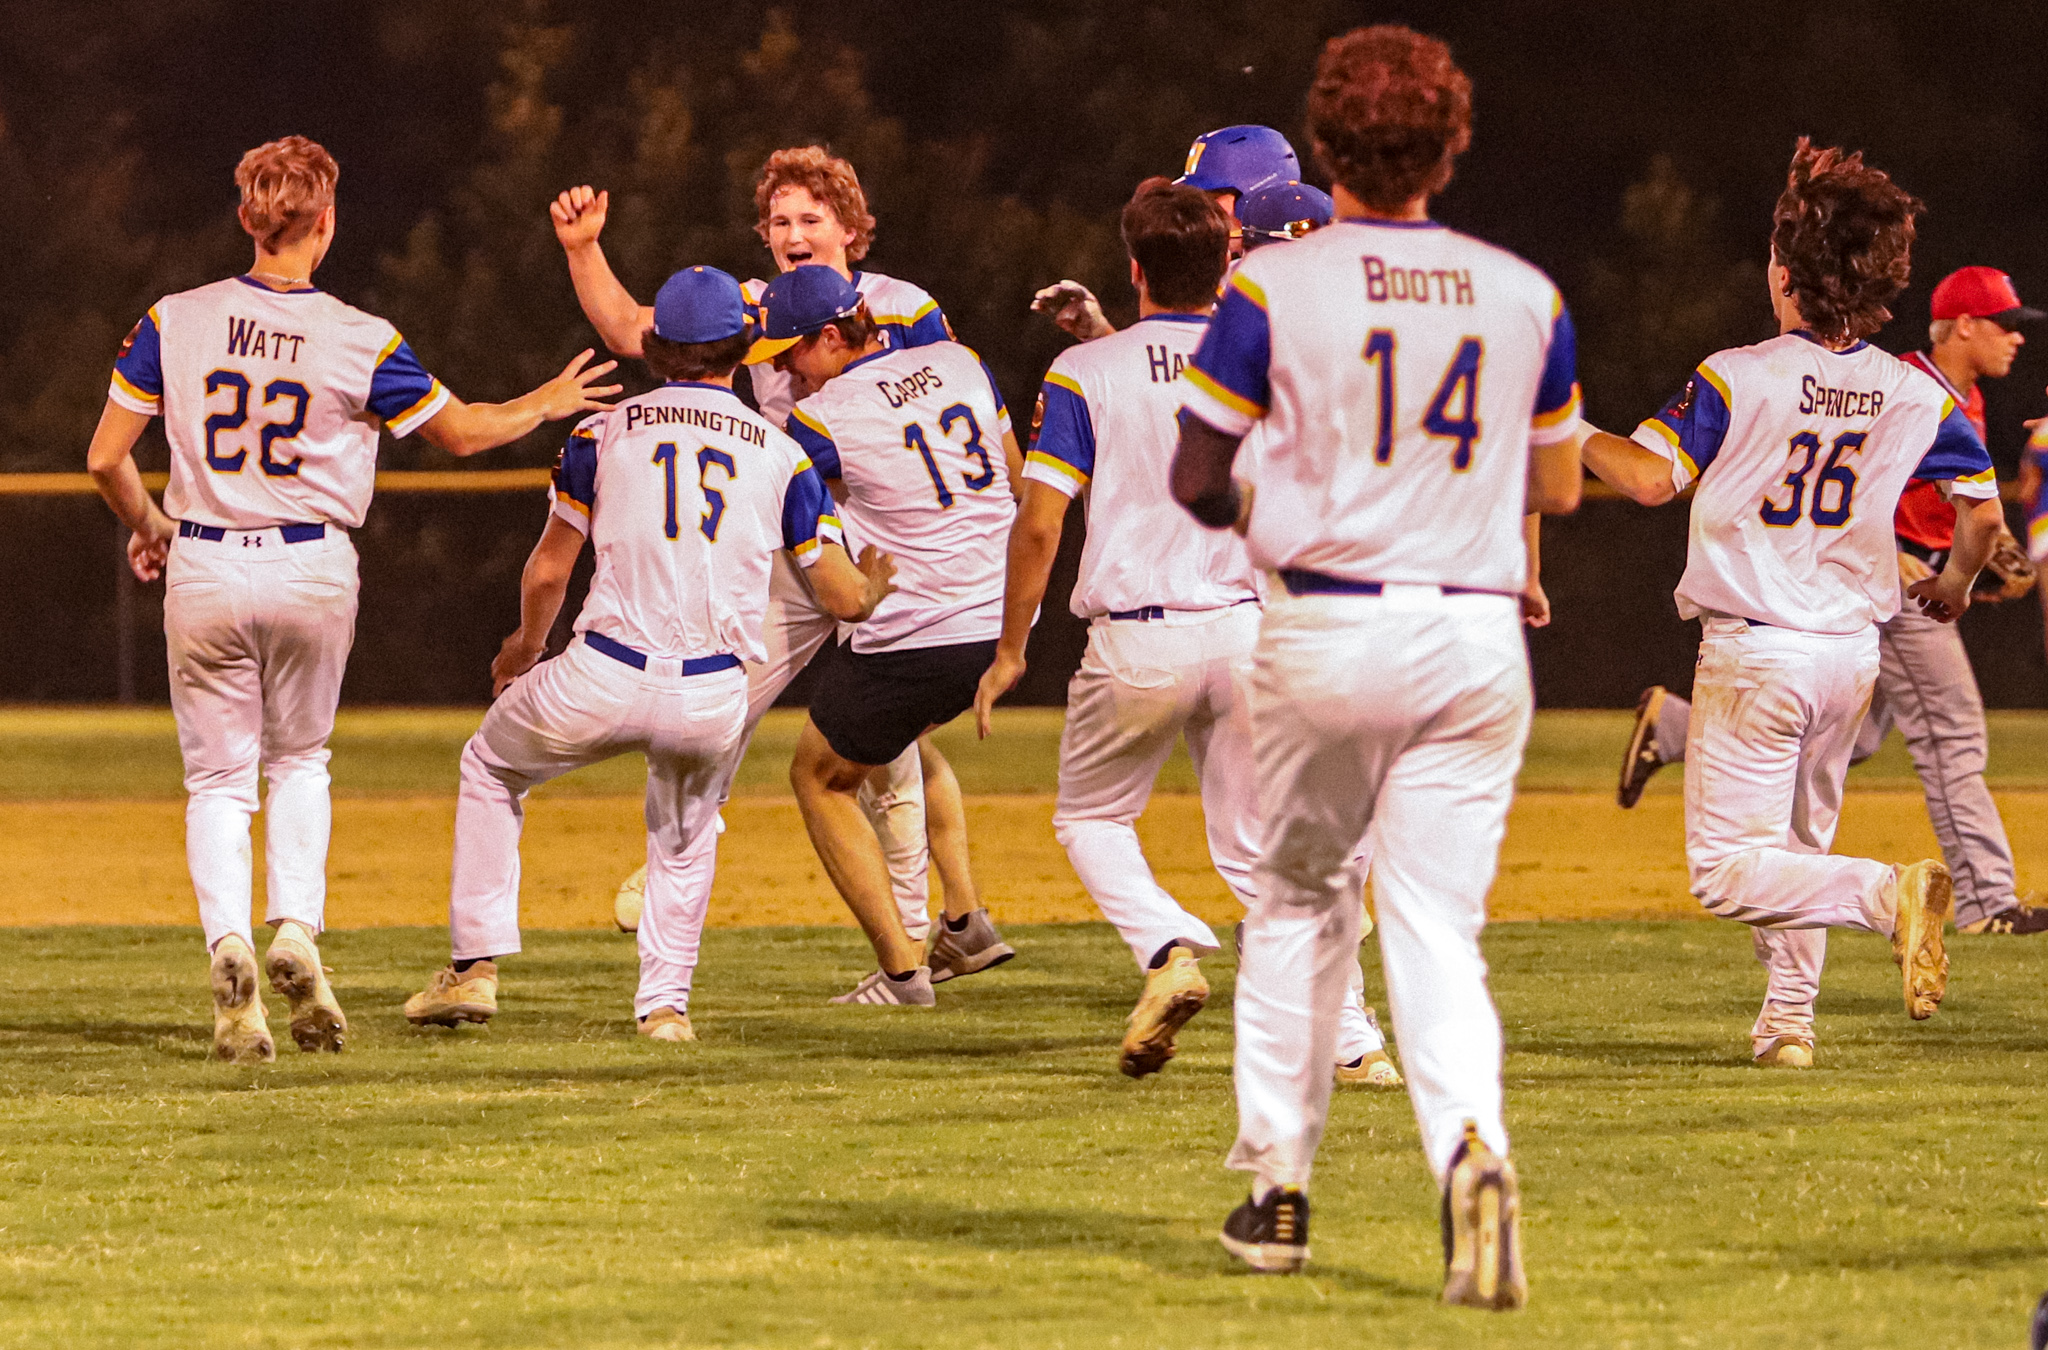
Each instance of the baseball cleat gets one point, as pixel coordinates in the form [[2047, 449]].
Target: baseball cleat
[[1270, 1235], [1926, 897], [453, 998], [241, 1035], [1783, 1052], [976, 947], [627, 903], [1642, 758], [1173, 994], [2020, 920], [293, 965], [878, 988], [1372, 1070], [1482, 1227], [666, 1024]]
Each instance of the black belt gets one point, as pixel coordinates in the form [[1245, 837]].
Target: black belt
[[1153, 613], [213, 534], [1299, 581], [619, 651], [1936, 558]]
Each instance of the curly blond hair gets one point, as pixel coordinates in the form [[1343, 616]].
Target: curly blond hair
[[826, 177], [285, 185]]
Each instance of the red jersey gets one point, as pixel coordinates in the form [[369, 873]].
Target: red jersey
[[1924, 517]]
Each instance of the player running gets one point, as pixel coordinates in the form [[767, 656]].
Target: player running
[[918, 449], [273, 394], [1417, 393], [1801, 447], [811, 212], [1925, 685], [687, 496], [1173, 612]]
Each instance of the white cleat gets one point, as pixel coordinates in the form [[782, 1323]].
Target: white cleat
[[878, 989], [241, 1035], [666, 1024], [1482, 1230], [1926, 900], [1372, 1070], [293, 965], [1174, 993], [1783, 1052]]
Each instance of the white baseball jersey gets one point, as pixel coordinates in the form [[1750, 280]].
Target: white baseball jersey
[[687, 493], [908, 315], [1106, 423], [1402, 371], [1801, 454], [917, 438], [271, 401]]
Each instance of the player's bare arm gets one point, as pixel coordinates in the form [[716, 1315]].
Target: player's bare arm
[[1034, 541], [851, 590], [1535, 601], [1943, 598], [579, 216], [1013, 460], [470, 428], [542, 586], [111, 461], [1641, 475], [1201, 479], [1075, 309]]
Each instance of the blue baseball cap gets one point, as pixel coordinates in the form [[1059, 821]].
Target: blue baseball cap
[[797, 304], [1240, 159], [1283, 211], [700, 304]]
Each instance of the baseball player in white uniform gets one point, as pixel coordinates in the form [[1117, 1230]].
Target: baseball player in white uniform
[[812, 212], [1418, 393], [273, 394], [918, 449], [1173, 613], [1801, 447], [687, 496]]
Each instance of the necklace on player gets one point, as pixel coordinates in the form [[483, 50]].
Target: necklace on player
[[285, 280]]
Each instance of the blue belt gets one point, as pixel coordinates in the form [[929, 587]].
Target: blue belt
[[213, 534], [1302, 582], [619, 651], [1143, 613]]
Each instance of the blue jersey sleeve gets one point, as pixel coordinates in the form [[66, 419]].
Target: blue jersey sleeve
[[1557, 393], [401, 391], [138, 382], [1231, 377], [1062, 454], [1958, 456], [810, 433], [1691, 427], [808, 518], [927, 327], [572, 491]]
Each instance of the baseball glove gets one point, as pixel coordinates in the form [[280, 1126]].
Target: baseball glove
[[2009, 575]]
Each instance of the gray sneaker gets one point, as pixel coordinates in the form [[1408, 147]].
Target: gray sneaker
[[974, 948], [876, 987]]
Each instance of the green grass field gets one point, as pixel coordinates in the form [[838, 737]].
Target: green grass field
[[808, 1176]]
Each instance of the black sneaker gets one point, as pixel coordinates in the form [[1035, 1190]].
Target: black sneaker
[[2018, 921], [1482, 1226], [1271, 1235], [1642, 758]]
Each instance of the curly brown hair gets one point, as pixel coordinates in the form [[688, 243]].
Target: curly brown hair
[[825, 176], [1843, 231], [1388, 112], [1180, 239], [285, 185]]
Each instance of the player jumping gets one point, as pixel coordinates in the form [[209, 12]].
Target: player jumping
[[811, 211], [1417, 393], [917, 446], [273, 394], [1801, 447], [688, 496]]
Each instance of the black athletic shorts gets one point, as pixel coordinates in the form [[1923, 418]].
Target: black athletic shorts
[[872, 705]]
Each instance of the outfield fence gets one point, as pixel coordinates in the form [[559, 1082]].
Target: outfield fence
[[442, 551]]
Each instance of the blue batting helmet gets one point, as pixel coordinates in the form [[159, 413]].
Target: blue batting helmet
[[1239, 159], [1283, 211]]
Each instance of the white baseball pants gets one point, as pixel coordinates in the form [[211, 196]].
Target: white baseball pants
[[1774, 720], [1143, 684], [577, 709], [258, 634], [1404, 712]]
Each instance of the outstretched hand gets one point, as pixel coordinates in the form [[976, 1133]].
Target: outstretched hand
[[579, 216], [1074, 308], [1941, 598], [573, 392], [999, 679]]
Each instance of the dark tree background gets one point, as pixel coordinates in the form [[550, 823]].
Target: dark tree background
[[1631, 149]]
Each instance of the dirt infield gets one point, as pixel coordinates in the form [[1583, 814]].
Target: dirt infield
[[1567, 856]]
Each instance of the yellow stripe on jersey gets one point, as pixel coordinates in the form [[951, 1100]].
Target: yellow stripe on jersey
[[131, 391], [908, 320], [1988, 476], [813, 423], [389, 348], [806, 546], [1948, 405], [433, 392], [156, 319], [1248, 288], [1545, 421], [1662, 428], [801, 464], [1229, 398], [1035, 457], [563, 499], [1065, 382], [1720, 386]]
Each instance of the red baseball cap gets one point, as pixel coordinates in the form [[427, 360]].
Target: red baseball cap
[[1982, 293]]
